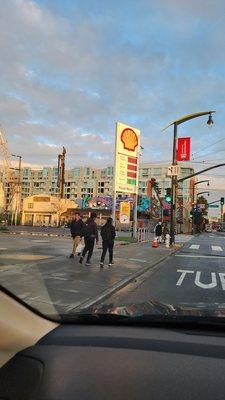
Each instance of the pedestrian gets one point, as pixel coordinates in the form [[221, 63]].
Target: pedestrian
[[77, 232], [108, 234], [90, 235], [158, 232], [165, 231]]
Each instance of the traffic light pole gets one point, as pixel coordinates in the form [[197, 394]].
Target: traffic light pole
[[173, 189]]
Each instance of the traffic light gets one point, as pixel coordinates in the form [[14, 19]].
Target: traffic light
[[168, 196], [222, 201]]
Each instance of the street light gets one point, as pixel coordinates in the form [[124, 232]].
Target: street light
[[198, 194], [193, 198], [174, 162], [17, 203], [210, 121]]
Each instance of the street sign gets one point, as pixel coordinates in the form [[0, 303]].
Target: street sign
[[183, 149], [213, 205], [124, 212], [173, 170]]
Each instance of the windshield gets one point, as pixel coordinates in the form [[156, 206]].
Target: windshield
[[111, 157]]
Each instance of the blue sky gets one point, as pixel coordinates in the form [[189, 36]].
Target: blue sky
[[70, 69]]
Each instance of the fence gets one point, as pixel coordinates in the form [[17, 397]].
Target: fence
[[143, 234]]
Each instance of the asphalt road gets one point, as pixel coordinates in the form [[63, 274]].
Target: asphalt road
[[39, 271], [194, 274]]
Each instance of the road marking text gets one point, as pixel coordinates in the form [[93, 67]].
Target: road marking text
[[200, 281]]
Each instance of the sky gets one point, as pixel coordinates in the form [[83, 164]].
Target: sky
[[69, 69]]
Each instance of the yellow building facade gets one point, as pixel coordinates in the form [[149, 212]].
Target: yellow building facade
[[44, 210]]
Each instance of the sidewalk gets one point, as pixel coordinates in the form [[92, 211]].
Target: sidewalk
[[59, 285]]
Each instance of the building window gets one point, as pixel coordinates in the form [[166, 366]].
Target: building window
[[157, 171], [86, 171], [30, 205]]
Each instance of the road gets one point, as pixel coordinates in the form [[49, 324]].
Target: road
[[39, 271], [194, 274]]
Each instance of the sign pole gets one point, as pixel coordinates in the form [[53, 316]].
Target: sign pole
[[127, 151], [135, 216], [114, 182], [114, 207]]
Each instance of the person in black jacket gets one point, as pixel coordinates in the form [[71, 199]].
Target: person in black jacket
[[108, 234], [158, 232], [77, 232], [90, 235]]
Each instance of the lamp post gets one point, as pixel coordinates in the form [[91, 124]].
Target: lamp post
[[198, 194], [193, 200], [18, 191], [135, 203], [174, 162]]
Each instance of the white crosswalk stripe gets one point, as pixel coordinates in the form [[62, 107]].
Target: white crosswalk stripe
[[216, 248], [194, 246]]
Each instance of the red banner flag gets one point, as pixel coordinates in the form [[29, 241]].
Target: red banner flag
[[183, 149]]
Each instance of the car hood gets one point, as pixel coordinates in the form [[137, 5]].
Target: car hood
[[154, 308]]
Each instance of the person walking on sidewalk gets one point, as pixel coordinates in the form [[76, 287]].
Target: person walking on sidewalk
[[165, 231], [108, 234], [77, 232], [158, 232], [90, 235]]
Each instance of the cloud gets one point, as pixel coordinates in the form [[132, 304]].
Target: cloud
[[69, 71]]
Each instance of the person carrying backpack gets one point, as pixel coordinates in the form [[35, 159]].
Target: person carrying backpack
[[90, 235], [108, 234]]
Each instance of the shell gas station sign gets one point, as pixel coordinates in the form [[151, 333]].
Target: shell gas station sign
[[126, 159]]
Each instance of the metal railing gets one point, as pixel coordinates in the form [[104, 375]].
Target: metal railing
[[143, 234]]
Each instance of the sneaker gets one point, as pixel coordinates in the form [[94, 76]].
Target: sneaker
[[110, 264], [101, 265], [71, 256], [81, 260], [87, 263]]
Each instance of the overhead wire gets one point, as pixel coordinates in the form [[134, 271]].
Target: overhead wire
[[210, 145]]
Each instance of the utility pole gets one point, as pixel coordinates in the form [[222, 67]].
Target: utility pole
[[17, 191], [173, 188], [221, 209], [61, 173], [193, 199], [174, 162], [61, 178]]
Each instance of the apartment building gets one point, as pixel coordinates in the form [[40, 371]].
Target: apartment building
[[83, 181]]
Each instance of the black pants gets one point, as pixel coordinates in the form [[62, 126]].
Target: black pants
[[89, 246], [107, 245]]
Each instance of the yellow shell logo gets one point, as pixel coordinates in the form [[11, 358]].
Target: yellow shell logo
[[129, 139]]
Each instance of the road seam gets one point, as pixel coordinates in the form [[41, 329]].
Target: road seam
[[119, 285]]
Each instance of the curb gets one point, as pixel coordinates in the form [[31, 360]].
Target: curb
[[120, 285], [24, 233]]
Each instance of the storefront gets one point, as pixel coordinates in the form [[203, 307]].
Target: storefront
[[44, 210]]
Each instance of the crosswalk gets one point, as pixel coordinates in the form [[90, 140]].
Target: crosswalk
[[194, 246], [212, 247]]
